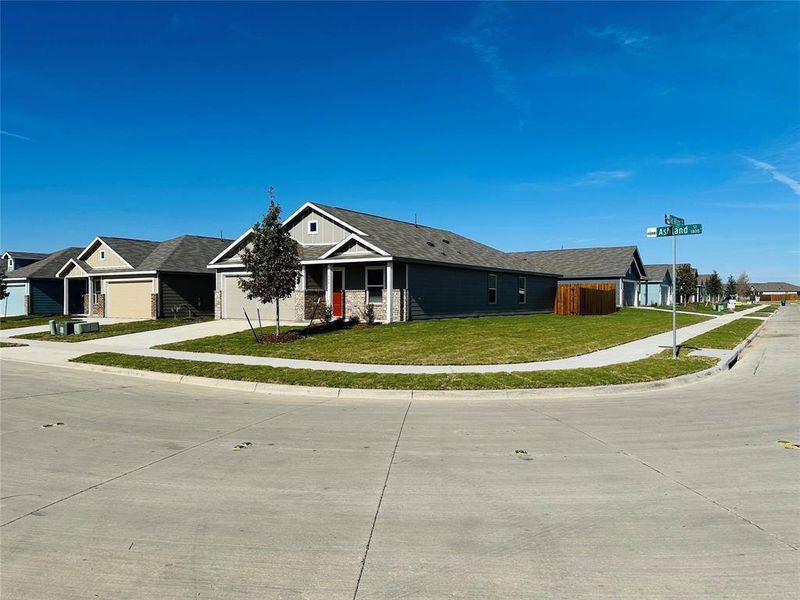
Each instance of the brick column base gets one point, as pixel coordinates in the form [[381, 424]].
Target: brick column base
[[99, 306], [26, 304], [153, 306], [217, 304]]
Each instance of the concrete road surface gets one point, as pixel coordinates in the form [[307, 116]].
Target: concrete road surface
[[682, 493]]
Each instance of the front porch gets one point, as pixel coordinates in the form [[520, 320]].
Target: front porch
[[349, 287]]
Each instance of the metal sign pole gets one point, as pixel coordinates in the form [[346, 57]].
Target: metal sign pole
[[674, 299]]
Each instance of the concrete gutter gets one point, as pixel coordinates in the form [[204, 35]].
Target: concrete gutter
[[724, 364]]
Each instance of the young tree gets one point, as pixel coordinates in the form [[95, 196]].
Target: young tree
[[714, 286], [4, 293], [686, 282], [273, 260], [730, 287], [743, 285]]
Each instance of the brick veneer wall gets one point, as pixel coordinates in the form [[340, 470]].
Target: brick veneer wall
[[26, 304], [99, 306], [355, 301], [153, 306], [86, 304], [217, 304]]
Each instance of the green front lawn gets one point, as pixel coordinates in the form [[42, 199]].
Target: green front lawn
[[726, 337], [661, 366], [28, 320], [767, 310], [10, 345], [482, 340], [113, 330]]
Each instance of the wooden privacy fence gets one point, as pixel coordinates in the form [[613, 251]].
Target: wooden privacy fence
[[586, 299], [792, 297]]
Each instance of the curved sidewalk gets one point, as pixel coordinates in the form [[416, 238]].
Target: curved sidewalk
[[623, 353]]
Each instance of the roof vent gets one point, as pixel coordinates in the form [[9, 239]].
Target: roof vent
[[445, 241], [431, 244]]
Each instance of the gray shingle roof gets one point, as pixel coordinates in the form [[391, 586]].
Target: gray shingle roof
[[186, 254], [132, 251], [405, 240], [29, 255], [657, 272], [776, 286], [582, 262], [46, 267]]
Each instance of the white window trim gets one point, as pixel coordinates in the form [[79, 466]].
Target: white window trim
[[315, 222], [367, 286], [523, 289], [489, 287]]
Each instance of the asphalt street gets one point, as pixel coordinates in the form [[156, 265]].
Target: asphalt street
[[140, 493]]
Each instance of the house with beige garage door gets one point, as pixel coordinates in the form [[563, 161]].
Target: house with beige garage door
[[142, 279], [406, 271]]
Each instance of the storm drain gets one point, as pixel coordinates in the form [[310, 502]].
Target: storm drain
[[56, 424]]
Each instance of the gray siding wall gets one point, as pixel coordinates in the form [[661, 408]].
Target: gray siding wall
[[437, 292], [47, 296], [194, 291]]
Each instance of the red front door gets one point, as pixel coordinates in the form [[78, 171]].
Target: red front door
[[338, 294]]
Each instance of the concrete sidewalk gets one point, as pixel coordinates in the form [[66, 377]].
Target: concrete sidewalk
[[137, 344]]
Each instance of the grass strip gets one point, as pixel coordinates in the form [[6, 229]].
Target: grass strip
[[28, 321], [113, 330], [10, 345], [660, 366], [469, 341], [726, 337]]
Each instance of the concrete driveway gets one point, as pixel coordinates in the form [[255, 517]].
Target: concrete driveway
[[681, 493]]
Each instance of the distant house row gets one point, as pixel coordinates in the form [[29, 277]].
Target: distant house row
[[349, 260]]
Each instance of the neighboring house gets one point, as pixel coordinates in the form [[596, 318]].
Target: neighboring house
[[406, 271], [702, 294], [656, 286], [775, 290], [125, 278], [35, 289], [17, 260], [621, 266]]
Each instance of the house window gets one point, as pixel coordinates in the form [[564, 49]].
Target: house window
[[522, 289], [102, 254], [313, 227], [97, 288], [492, 288], [375, 276]]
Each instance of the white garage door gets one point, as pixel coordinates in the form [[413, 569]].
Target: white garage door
[[234, 300], [129, 299], [14, 304]]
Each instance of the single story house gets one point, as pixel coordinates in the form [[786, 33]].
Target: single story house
[[775, 290], [17, 260], [621, 266], [406, 271], [142, 279], [656, 286], [34, 289]]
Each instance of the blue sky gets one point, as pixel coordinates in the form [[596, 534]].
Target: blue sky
[[524, 126]]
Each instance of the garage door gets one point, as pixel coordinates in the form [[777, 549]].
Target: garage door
[[129, 299], [234, 300], [14, 305]]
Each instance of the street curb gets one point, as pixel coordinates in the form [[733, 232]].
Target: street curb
[[357, 393]]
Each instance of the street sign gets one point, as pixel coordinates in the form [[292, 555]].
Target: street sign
[[673, 220], [693, 229], [651, 232], [663, 231]]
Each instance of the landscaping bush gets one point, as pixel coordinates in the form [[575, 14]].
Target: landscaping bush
[[369, 314]]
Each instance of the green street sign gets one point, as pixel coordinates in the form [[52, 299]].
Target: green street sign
[[673, 220], [694, 229]]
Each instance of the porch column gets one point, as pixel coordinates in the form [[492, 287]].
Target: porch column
[[90, 292], [66, 296], [389, 292], [329, 286], [302, 286]]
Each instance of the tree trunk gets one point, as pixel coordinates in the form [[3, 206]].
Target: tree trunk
[[278, 317]]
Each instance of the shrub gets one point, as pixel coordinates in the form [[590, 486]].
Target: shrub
[[354, 320], [369, 314], [327, 315]]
